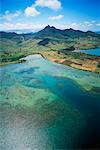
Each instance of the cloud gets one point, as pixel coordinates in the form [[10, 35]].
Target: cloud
[[98, 24], [55, 17], [20, 26], [90, 24], [86, 22], [30, 27], [93, 21], [74, 25], [83, 25], [10, 16], [52, 4], [31, 11]]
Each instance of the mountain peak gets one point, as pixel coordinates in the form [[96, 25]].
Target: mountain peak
[[51, 31], [49, 27]]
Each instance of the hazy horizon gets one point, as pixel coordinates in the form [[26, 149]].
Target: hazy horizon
[[30, 31]]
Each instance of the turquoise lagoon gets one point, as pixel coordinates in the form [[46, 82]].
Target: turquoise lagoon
[[48, 106], [95, 52]]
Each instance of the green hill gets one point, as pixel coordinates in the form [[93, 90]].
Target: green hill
[[14, 46]]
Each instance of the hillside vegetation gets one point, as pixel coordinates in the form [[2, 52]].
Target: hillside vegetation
[[13, 46]]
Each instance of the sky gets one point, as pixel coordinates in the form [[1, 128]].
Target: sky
[[33, 15]]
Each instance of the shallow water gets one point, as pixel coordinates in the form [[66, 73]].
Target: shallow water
[[95, 52], [48, 106]]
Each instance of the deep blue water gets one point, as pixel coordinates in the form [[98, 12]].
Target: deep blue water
[[95, 52], [48, 106]]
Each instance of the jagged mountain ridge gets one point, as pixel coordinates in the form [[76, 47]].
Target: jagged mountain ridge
[[49, 37], [67, 33], [50, 31]]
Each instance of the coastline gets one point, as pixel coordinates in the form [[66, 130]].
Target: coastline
[[85, 65]]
